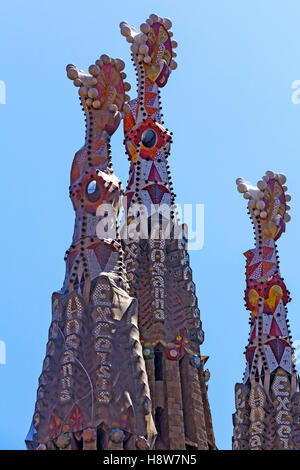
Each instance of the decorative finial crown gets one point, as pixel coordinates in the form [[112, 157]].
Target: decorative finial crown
[[267, 203], [153, 47], [103, 88]]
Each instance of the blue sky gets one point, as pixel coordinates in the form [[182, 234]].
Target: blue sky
[[229, 106]]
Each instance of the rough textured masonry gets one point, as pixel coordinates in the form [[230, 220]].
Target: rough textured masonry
[[123, 368], [268, 401]]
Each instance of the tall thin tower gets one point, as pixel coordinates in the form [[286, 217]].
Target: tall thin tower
[[267, 413], [156, 258], [93, 391], [123, 368]]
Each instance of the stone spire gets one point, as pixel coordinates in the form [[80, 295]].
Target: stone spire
[[156, 258], [267, 413], [93, 392]]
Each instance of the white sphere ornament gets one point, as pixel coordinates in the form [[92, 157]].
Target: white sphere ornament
[[173, 64], [96, 104], [93, 93], [72, 72], [125, 30], [83, 91], [145, 28], [260, 194], [134, 48], [143, 38], [242, 188], [143, 49], [92, 81], [260, 205], [94, 70], [261, 185], [281, 178], [120, 64], [126, 108], [167, 23], [153, 17], [127, 86], [77, 82], [106, 59]]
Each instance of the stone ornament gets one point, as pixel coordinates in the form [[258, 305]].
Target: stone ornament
[[94, 373], [123, 368], [264, 402]]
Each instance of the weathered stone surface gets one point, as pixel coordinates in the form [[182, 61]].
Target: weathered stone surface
[[266, 401]]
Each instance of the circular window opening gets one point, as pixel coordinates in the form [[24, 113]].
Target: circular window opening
[[93, 191], [149, 138]]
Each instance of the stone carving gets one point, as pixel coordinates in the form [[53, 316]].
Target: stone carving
[[270, 377], [94, 378], [123, 364]]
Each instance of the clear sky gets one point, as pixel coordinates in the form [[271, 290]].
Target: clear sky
[[229, 106]]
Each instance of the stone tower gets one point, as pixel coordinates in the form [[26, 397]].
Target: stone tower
[[156, 258], [123, 368], [93, 391], [267, 413]]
